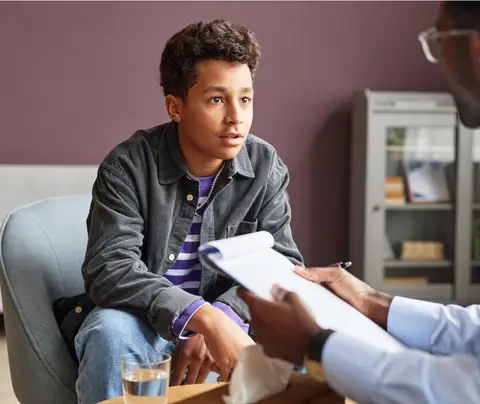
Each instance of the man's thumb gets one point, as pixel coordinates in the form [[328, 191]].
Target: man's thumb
[[282, 295]]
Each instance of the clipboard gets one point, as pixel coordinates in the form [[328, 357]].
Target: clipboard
[[252, 262]]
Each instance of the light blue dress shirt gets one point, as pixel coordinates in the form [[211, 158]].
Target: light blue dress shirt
[[372, 376]]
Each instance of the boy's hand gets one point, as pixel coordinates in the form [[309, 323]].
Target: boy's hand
[[224, 339], [191, 356]]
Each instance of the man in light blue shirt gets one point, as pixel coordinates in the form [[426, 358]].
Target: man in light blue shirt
[[443, 364], [371, 375]]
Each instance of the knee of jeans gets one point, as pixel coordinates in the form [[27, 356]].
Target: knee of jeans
[[106, 329]]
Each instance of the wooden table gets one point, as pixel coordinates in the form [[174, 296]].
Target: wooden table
[[302, 389]]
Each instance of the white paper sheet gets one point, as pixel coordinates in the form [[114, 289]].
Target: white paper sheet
[[259, 270], [244, 244]]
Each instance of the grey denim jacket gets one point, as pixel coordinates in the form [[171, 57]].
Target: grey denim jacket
[[140, 216]]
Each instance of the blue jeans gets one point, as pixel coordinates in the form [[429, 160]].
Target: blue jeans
[[104, 337]]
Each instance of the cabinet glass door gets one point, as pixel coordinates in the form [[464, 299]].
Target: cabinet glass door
[[475, 256], [418, 210]]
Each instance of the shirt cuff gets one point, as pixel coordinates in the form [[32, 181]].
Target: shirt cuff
[[412, 321], [350, 367], [230, 313], [181, 322]]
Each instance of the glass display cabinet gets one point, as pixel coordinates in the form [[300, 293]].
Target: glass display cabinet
[[414, 197]]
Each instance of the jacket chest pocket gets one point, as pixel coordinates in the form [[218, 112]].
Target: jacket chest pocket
[[240, 228]]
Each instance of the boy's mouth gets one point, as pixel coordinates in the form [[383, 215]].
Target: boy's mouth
[[231, 139], [231, 135]]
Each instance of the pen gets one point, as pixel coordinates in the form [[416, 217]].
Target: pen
[[343, 265]]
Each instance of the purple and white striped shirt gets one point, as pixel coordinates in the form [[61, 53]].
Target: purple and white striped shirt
[[186, 271]]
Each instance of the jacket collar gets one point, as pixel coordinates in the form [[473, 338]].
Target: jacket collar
[[172, 165]]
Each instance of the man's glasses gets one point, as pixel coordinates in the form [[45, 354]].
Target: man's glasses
[[432, 41]]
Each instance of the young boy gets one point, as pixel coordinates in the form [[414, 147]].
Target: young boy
[[163, 192]]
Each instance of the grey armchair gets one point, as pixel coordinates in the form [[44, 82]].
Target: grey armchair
[[42, 247]]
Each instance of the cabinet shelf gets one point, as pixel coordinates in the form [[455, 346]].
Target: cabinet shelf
[[421, 206], [420, 148], [431, 291], [417, 264]]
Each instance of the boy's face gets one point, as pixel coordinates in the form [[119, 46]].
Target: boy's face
[[216, 118]]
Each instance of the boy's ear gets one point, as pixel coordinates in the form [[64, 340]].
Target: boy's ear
[[174, 107]]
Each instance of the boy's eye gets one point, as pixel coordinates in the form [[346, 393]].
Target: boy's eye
[[216, 100], [246, 100]]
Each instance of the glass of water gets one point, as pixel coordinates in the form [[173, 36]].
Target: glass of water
[[146, 382]]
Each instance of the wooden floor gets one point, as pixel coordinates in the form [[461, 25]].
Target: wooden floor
[[6, 389]]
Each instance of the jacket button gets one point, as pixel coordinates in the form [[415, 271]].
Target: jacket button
[[189, 197], [78, 309], [171, 257]]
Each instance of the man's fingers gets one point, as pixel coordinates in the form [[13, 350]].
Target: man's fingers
[[261, 306], [282, 295], [291, 298], [253, 302], [319, 275], [257, 302], [278, 293], [268, 350], [246, 295]]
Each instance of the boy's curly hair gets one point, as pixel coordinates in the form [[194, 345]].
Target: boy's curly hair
[[205, 40]]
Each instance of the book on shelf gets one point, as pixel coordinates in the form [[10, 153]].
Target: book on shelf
[[394, 191], [407, 280], [396, 137], [422, 251], [426, 181]]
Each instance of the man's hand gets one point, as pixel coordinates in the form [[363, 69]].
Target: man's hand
[[224, 339], [191, 356], [283, 327], [364, 298]]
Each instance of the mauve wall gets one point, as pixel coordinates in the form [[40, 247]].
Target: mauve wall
[[77, 78]]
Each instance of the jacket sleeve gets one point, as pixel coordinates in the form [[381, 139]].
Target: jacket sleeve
[[114, 273], [274, 217]]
